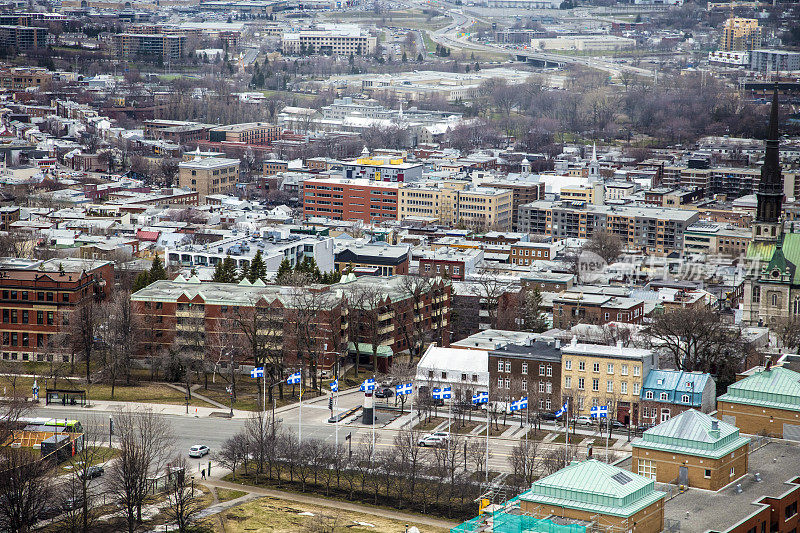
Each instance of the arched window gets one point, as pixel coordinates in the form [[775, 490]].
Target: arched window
[[796, 305], [756, 294], [774, 300]]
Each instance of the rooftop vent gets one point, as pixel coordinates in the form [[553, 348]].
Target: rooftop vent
[[737, 489], [621, 478], [757, 477]]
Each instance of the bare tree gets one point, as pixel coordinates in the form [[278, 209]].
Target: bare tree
[[26, 489], [183, 505], [605, 244], [81, 491], [144, 442]]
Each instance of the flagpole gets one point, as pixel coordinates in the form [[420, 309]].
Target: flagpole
[[566, 435], [335, 405], [300, 415], [608, 434], [488, 423]]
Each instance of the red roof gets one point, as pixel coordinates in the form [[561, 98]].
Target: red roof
[[143, 235]]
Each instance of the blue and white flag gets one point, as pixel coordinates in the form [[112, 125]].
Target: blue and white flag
[[404, 389], [293, 379], [599, 411], [367, 385], [522, 403], [257, 372], [481, 397], [442, 394], [335, 385], [562, 410]]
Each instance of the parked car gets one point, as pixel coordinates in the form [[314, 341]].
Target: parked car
[[385, 392], [439, 438], [583, 420], [616, 424], [198, 450], [546, 415], [92, 472]]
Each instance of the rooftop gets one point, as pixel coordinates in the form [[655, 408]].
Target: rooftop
[[778, 388], [596, 487], [208, 162], [700, 511], [693, 433]]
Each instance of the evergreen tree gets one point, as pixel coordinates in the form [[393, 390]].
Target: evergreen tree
[[258, 269], [157, 270], [141, 281], [229, 270], [284, 270], [219, 272], [419, 57], [405, 57]]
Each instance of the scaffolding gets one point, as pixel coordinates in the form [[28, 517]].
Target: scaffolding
[[509, 518]]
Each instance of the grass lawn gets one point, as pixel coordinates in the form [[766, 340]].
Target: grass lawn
[[143, 392], [226, 495], [278, 516], [248, 393], [466, 428], [496, 431], [430, 424], [101, 455], [534, 434]]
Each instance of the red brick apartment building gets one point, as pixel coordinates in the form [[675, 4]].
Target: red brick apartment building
[[207, 318], [350, 199], [37, 298]]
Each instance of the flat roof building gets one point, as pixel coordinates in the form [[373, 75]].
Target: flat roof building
[[210, 175]]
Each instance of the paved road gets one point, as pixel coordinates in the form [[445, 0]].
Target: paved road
[[211, 431]]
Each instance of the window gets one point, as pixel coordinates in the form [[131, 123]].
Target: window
[[508, 383], [581, 365], [685, 398], [444, 375], [5, 316], [609, 386], [580, 383], [463, 377], [524, 368], [548, 405], [549, 371], [637, 371], [707, 473], [624, 387], [648, 395], [508, 366], [541, 387], [24, 316], [733, 471], [13, 316], [25, 339], [524, 384], [567, 382], [499, 383], [647, 468], [549, 388], [791, 510], [663, 396], [474, 377], [541, 370], [430, 374], [636, 388], [610, 368], [50, 297], [49, 318], [596, 367], [499, 366], [624, 370], [595, 384], [568, 364], [65, 297]]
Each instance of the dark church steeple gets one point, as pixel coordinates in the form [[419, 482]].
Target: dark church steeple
[[770, 189]]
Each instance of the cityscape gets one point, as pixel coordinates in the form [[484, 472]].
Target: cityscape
[[400, 266]]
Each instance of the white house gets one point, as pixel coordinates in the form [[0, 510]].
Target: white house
[[467, 370]]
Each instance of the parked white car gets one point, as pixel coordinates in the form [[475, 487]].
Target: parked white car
[[198, 450], [439, 438]]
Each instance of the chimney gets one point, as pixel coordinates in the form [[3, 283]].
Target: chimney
[[769, 364], [558, 343], [589, 451]]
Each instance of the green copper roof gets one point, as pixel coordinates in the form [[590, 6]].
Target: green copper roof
[[597, 487], [365, 348], [692, 433], [778, 388], [760, 250]]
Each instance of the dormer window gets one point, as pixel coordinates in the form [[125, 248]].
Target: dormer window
[[776, 273]]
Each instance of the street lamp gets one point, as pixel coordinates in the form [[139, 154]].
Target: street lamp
[[186, 398], [230, 391], [110, 429]]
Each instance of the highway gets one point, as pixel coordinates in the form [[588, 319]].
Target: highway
[[462, 19]]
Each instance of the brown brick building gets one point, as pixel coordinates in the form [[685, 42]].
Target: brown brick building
[[38, 297], [766, 402], [533, 371], [692, 449], [572, 308]]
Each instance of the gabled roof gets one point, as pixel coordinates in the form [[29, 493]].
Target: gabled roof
[[778, 388], [676, 380], [693, 433], [596, 487]]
